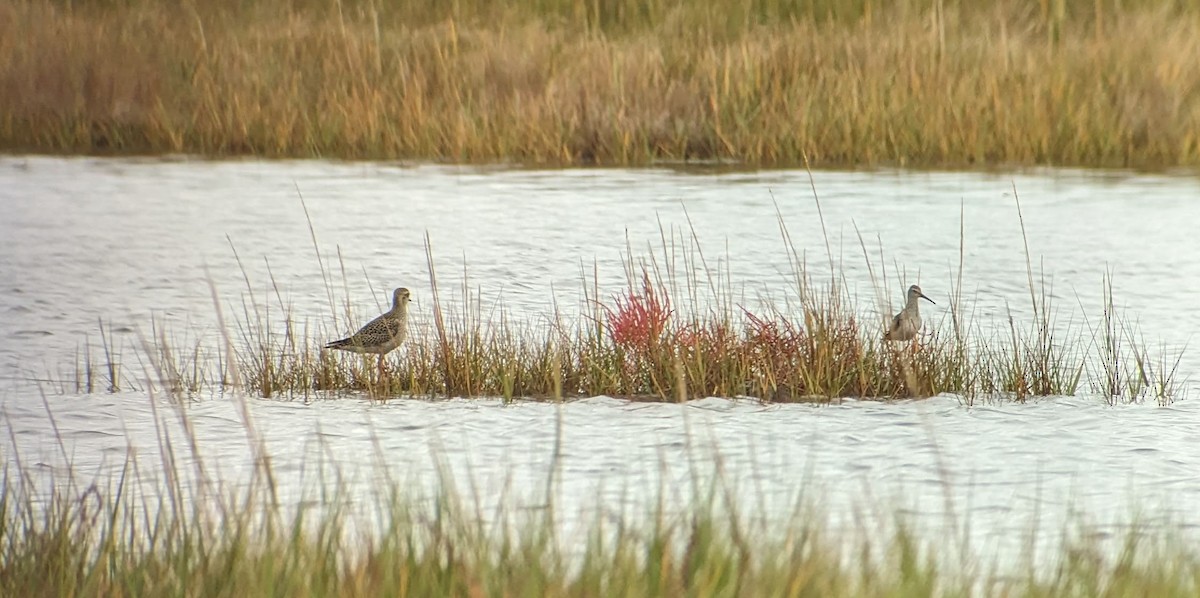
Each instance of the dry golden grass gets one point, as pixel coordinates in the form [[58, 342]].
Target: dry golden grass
[[1067, 82]]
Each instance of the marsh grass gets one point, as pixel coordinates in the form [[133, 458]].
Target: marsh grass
[[1104, 83], [1122, 364], [677, 331], [170, 529]]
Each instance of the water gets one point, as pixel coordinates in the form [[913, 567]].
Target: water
[[128, 241]]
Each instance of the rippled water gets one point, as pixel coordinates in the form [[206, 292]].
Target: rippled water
[[127, 240]]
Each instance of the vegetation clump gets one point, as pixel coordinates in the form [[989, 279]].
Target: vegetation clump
[[672, 335]]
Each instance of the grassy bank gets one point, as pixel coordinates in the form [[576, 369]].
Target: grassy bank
[[183, 534], [678, 330], [767, 82]]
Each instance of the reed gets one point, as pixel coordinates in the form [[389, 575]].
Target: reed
[[946, 83]]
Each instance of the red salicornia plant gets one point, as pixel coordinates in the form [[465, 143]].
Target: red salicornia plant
[[638, 323], [638, 326]]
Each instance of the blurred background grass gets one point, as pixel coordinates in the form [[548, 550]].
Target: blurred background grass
[[1102, 83]]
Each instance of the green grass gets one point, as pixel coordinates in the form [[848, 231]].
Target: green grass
[[947, 83], [183, 534], [678, 331]]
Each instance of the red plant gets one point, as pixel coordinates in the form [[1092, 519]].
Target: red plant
[[706, 337], [776, 344], [639, 320]]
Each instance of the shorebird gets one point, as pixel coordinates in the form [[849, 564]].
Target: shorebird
[[381, 335], [905, 324]]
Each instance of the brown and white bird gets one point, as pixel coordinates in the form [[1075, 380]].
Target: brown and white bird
[[905, 324], [383, 334]]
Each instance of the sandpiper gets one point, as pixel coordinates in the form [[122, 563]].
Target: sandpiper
[[383, 334], [905, 324]]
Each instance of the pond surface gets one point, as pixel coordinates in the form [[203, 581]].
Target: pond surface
[[129, 242]]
